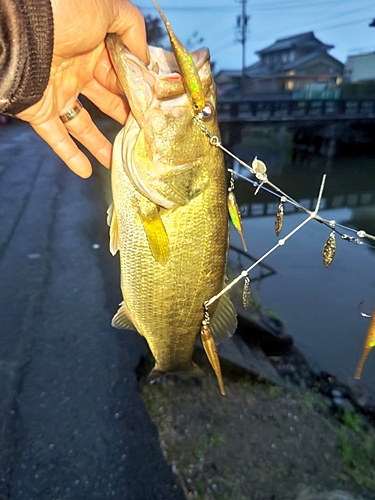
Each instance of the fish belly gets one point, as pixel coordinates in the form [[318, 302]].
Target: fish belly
[[165, 302]]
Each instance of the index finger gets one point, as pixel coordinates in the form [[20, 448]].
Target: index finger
[[129, 24]]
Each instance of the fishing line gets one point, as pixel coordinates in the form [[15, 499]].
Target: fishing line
[[274, 190], [325, 222], [259, 169]]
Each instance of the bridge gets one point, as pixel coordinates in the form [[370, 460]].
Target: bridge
[[347, 200], [246, 110]]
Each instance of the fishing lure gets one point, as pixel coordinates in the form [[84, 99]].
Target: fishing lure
[[368, 345], [234, 212], [209, 346], [329, 248], [259, 169], [188, 70], [280, 216], [246, 293]]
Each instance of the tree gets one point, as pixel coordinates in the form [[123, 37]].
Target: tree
[[156, 34], [155, 30]]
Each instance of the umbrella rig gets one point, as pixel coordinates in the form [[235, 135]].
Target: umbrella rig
[[260, 180]]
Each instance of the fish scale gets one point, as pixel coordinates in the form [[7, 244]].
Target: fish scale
[[165, 302]]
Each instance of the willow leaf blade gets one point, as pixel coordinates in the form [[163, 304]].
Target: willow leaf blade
[[279, 218], [329, 249], [246, 293]]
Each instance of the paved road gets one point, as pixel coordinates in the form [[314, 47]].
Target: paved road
[[72, 423]]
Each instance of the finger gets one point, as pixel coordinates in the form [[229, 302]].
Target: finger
[[57, 137], [86, 132], [130, 25], [111, 104]]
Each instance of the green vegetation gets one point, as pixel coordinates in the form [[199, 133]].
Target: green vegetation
[[357, 446], [362, 90], [259, 439]]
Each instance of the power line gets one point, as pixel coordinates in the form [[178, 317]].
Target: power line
[[191, 9], [302, 5], [342, 25], [258, 7]]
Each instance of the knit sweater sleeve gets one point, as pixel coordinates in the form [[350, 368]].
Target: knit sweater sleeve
[[26, 46]]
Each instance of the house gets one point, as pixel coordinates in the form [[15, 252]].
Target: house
[[296, 66], [360, 68]]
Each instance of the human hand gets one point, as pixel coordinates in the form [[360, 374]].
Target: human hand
[[81, 65]]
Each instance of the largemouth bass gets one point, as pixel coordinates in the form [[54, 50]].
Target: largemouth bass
[[169, 216]]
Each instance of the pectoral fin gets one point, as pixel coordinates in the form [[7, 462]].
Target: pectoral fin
[[121, 320], [224, 320], [112, 222], [156, 234]]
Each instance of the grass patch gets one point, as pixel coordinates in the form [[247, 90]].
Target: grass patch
[[357, 446]]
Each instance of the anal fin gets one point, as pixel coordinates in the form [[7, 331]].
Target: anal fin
[[121, 320]]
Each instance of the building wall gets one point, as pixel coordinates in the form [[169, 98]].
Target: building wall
[[360, 68]]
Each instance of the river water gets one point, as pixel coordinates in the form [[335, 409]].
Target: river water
[[319, 306]]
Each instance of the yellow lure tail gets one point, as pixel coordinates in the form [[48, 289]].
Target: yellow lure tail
[[189, 73], [365, 353], [235, 216], [369, 344], [210, 349]]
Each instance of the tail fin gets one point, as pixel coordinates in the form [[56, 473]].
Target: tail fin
[[192, 371]]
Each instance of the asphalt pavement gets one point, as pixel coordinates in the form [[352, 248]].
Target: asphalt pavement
[[72, 422]]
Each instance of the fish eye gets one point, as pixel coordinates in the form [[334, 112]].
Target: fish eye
[[207, 111]]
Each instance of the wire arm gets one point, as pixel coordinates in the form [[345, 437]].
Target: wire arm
[[281, 242]]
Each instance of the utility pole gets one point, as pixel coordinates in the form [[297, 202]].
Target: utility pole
[[242, 22]]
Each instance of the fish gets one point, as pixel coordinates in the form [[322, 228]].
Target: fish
[[368, 345], [168, 219]]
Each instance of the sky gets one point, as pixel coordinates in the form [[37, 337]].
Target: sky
[[342, 23]]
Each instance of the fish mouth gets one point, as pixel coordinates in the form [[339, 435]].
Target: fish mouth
[[168, 81], [163, 62], [159, 80], [161, 114]]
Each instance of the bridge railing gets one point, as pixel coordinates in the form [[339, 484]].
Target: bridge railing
[[296, 109], [347, 200]]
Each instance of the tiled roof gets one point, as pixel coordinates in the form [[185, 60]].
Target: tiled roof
[[306, 40], [259, 69]]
